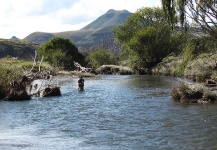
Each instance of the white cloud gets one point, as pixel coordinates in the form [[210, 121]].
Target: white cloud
[[20, 18]]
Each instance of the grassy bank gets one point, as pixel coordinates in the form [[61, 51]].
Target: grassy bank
[[199, 69], [13, 70], [186, 93]]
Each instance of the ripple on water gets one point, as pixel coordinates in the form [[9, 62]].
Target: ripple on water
[[114, 112]]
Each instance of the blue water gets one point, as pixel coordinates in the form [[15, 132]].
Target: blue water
[[113, 113]]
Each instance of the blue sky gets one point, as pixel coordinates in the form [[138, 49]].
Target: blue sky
[[23, 17]]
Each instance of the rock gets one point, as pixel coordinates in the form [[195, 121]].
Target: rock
[[18, 96], [55, 91]]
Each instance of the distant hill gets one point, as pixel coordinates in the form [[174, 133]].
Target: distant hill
[[38, 37], [91, 35], [19, 49], [14, 38]]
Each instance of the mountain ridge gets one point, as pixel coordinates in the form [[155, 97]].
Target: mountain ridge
[[90, 35]]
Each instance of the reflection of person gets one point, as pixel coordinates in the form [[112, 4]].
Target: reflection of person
[[81, 82]]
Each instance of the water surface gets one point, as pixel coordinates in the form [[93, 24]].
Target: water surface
[[114, 112]]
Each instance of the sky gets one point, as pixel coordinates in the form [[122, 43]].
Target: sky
[[22, 17]]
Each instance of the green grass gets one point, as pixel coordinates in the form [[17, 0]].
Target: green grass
[[20, 63], [12, 69]]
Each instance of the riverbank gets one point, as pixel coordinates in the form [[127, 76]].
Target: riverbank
[[201, 70], [75, 74], [198, 69], [194, 93], [17, 74]]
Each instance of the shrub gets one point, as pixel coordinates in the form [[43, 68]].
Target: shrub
[[183, 93]]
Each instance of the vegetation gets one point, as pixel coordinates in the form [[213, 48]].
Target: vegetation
[[186, 94], [169, 66], [13, 70], [201, 12], [100, 57], [114, 69], [145, 38], [60, 52]]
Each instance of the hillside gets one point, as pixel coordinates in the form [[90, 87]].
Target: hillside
[[91, 35], [110, 18], [16, 48], [38, 37]]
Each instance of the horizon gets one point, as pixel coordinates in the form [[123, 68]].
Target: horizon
[[21, 18]]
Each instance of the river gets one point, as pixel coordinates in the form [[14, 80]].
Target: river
[[113, 113]]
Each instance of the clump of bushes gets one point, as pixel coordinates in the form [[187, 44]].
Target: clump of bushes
[[113, 69], [186, 94], [7, 74], [169, 66]]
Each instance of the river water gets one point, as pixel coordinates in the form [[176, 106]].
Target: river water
[[113, 113]]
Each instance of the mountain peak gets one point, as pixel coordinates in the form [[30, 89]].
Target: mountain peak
[[110, 18], [115, 11], [14, 38]]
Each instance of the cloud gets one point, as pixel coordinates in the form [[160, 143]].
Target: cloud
[[20, 18]]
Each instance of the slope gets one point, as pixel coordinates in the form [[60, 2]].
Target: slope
[[90, 35]]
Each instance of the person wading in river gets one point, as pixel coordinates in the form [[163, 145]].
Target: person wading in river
[[81, 84]]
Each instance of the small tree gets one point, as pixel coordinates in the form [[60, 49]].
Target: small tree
[[145, 38], [61, 52], [100, 57]]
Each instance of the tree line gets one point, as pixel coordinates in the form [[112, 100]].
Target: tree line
[[147, 37]]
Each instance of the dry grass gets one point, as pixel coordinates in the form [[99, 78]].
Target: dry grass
[[185, 94], [12, 70], [169, 66]]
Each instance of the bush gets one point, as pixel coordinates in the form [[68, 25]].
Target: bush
[[61, 52], [185, 94], [100, 57]]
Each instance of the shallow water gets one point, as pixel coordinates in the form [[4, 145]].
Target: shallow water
[[114, 112]]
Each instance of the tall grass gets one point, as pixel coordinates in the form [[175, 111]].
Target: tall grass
[[13, 70], [186, 94]]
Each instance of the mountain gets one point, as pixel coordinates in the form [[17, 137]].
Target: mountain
[[14, 38], [89, 36], [110, 18], [17, 48], [38, 37]]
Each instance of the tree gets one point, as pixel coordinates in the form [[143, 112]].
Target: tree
[[61, 52], [145, 38], [202, 12], [100, 57]]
